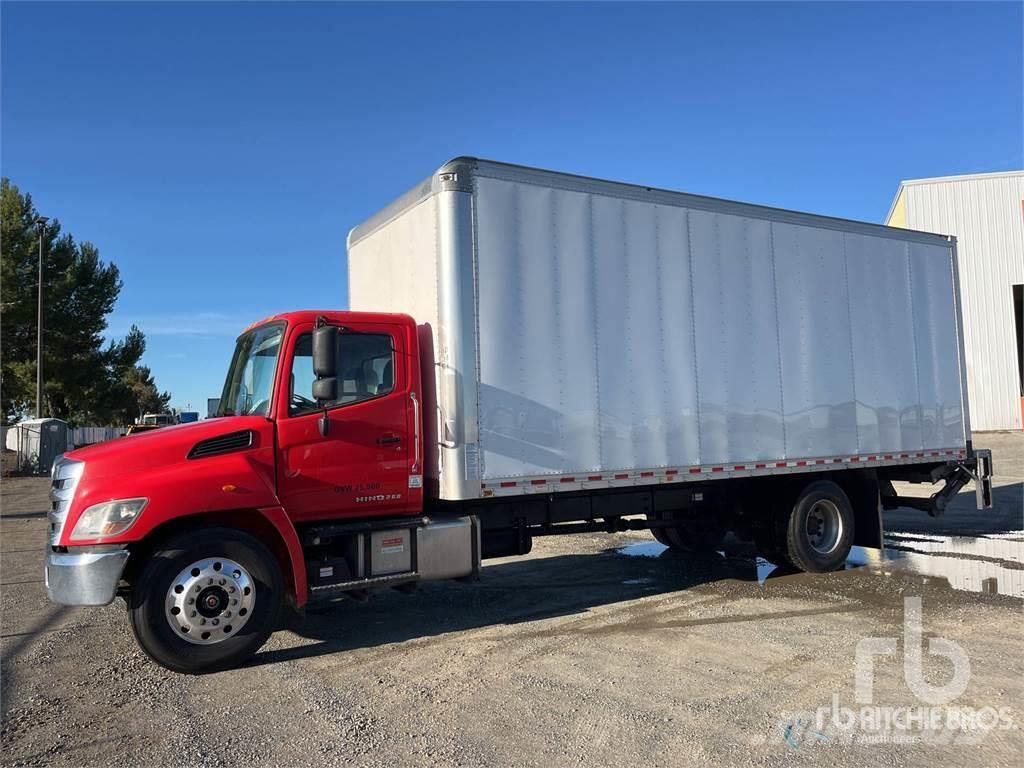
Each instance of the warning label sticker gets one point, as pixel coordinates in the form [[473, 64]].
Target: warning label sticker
[[392, 546]]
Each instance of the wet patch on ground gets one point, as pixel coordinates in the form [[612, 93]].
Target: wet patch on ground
[[992, 564]]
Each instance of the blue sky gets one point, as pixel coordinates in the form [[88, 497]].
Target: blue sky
[[218, 154]]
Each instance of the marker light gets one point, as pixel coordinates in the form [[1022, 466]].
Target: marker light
[[111, 518]]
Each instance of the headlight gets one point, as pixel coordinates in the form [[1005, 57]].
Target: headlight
[[111, 518]]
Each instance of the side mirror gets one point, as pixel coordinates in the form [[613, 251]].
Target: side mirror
[[325, 367], [325, 351], [325, 389]]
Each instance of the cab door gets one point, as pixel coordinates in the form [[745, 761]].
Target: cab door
[[360, 468]]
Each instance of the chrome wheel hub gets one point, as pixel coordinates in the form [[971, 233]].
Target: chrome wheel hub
[[824, 527], [210, 601]]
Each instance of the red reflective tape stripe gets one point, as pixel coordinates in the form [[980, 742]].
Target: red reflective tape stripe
[[920, 455], [888, 456], [594, 477], [508, 484], [567, 480], [646, 474], [538, 482], [718, 469], [622, 477], [694, 470], [936, 453], [739, 466], [904, 455], [872, 458], [801, 463], [837, 461], [855, 458], [671, 471], [780, 463], [819, 461], [760, 466]]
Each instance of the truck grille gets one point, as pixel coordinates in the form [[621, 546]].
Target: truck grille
[[64, 479]]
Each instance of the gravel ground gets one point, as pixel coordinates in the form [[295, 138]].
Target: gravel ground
[[594, 650]]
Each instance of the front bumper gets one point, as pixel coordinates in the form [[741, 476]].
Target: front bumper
[[85, 575]]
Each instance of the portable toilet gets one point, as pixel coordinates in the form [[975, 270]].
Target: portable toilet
[[38, 443]]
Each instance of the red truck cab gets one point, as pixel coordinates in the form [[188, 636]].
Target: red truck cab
[[274, 459]]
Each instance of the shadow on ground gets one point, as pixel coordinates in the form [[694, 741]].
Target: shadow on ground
[[508, 593], [962, 518]]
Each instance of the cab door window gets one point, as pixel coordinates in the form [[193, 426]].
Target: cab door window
[[366, 369]]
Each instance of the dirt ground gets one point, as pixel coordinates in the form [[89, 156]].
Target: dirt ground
[[594, 650]]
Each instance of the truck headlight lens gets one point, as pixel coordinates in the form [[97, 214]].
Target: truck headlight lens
[[111, 518]]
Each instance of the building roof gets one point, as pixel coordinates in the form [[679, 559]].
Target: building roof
[[944, 179], [963, 177]]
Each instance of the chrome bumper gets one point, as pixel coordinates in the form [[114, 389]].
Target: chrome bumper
[[84, 576]]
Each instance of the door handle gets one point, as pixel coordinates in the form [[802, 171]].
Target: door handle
[[388, 439]]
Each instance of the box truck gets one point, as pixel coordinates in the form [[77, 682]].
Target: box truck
[[530, 353]]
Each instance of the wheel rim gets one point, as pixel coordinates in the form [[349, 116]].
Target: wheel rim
[[824, 526], [210, 601]]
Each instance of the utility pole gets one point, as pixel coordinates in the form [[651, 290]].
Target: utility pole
[[41, 223]]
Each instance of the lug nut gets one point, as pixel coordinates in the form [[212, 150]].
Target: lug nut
[[216, 622]]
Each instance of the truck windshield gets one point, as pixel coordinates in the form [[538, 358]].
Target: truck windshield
[[250, 379]]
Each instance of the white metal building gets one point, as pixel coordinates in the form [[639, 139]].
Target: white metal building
[[986, 214]]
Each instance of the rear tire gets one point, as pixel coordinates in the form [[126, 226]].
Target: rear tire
[[232, 579], [659, 533], [693, 537], [770, 532], [819, 528], [767, 546]]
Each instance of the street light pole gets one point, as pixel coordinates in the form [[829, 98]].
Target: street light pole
[[41, 223]]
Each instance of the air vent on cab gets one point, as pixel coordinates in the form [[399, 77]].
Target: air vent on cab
[[233, 441]]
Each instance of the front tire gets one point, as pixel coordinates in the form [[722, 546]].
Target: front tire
[[206, 600]]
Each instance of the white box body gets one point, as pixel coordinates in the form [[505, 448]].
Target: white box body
[[581, 333]]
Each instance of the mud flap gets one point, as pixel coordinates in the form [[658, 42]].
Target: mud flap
[[983, 478], [866, 500]]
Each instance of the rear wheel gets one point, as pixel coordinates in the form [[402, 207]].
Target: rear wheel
[[768, 547], [659, 533], [206, 600], [817, 533], [694, 536], [769, 531]]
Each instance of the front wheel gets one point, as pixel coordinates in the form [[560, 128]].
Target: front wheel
[[206, 600]]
